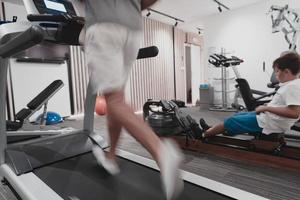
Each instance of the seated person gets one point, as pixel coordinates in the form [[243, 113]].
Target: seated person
[[278, 116]]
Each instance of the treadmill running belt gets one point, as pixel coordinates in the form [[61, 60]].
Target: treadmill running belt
[[80, 178]]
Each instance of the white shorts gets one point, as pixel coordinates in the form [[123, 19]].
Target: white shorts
[[110, 51]]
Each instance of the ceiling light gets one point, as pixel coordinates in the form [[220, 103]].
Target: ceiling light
[[199, 30], [176, 23], [220, 9], [148, 14]]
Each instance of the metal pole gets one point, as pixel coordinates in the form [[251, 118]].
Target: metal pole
[[174, 60], [3, 82]]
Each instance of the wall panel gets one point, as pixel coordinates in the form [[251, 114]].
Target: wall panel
[[153, 77], [79, 77]]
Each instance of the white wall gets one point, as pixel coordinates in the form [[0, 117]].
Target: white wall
[[18, 10], [247, 33], [29, 79]]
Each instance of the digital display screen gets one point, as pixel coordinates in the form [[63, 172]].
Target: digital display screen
[[55, 6]]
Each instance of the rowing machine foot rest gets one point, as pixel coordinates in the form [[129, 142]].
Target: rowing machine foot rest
[[187, 143]]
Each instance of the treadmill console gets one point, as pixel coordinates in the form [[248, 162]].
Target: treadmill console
[[54, 7], [59, 16]]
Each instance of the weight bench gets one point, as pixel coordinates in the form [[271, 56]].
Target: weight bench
[[22, 117]]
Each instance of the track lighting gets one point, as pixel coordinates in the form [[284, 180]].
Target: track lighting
[[221, 6], [177, 20]]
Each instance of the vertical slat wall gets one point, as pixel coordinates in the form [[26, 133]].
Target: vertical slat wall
[[153, 77], [79, 77], [180, 68]]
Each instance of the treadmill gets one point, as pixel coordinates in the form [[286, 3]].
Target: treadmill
[[62, 166]]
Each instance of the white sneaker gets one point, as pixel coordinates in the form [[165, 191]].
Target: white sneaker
[[170, 161], [109, 165]]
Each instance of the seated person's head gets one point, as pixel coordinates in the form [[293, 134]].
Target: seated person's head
[[287, 66]]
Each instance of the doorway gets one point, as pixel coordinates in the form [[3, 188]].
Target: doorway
[[192, 63], [188, 66]]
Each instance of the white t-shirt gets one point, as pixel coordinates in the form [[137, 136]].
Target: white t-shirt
[[287, 94], [123, 12]]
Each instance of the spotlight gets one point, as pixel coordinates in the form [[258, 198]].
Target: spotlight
[[148, 14], [176, 23], [220, 9], [199, 30]]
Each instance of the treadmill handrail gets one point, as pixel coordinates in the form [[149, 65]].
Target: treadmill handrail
[[59, 18], [24, 40]]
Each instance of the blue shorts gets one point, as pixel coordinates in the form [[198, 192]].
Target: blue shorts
[[243, 122]]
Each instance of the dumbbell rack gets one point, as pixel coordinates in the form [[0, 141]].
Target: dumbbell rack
[[225, 107]]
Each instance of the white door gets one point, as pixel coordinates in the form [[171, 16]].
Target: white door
[[195, 72]]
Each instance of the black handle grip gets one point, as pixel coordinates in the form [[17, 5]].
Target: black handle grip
[[59, 18], [46, 18], [148, 52]]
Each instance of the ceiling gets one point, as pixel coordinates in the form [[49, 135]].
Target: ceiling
[[192, 11]]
